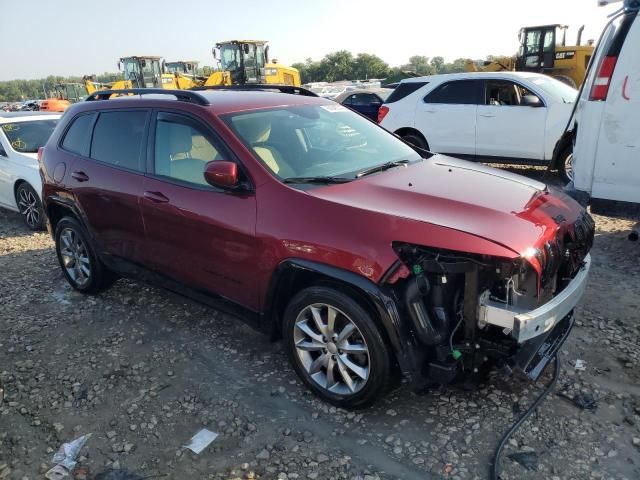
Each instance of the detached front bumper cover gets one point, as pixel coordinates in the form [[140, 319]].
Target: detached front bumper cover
[[527, 325]]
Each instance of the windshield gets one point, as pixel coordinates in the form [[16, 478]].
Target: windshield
[[27, 137], [557, 89], [317, 140], [130, 69], [230, 57]]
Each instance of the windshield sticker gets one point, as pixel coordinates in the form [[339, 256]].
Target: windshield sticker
[[10, 127], [18, 144], [334, 108]]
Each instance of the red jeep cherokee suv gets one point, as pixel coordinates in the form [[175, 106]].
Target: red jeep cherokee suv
[[313, 223]]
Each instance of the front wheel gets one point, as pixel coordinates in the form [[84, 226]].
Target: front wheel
[[565, 165], [29, 206], [336, 348]]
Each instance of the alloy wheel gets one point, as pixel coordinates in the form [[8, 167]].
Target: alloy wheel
[[28, 207], [331, 349], [75, 257], [568, 166]]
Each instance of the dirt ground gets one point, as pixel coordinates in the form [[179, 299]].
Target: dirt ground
[[143, 370]]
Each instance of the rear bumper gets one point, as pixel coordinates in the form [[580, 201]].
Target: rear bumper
[[525, 326]]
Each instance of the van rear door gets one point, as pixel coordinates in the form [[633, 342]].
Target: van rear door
[[607, 148]]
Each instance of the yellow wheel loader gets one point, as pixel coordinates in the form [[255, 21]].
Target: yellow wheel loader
[[247, 61], [543, 49], [185, 72]]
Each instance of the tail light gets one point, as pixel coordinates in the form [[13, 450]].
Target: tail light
[[600, 87], [40, 154], [382, 112]]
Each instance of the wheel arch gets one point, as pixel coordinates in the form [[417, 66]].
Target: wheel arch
[[565, 141], [293, 275], [56, 209]]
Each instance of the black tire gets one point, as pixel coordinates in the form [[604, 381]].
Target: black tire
[[29, 206], [565, 164], [378, 358], [98, 277], [416, 139]]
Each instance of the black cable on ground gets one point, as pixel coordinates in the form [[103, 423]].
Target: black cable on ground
[[496, 456]]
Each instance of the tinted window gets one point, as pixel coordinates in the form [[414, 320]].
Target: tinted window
[[461, 92], [404, 89], [117, 138], [364, 99], [182, 151], [77, 138], [27, 137]]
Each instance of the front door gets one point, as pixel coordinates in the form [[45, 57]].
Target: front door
[[197, 234], [447, 117], [107, 180], [505, 127]]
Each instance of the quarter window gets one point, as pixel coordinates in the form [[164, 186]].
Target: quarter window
[[117, 138], [77, 138], [461, 92], [182, 151]]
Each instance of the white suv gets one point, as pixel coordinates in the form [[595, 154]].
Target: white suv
[[21, 134], [509, 117]]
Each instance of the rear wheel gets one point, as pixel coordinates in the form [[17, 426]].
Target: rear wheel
[[80, 265], [336, 348], [416, 139], [565, 164], [29, 206]]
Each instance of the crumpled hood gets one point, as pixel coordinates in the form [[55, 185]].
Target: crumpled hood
[[505, 208]]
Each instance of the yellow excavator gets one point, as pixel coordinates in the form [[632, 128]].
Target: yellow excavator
[[247, 61], [543, 49]]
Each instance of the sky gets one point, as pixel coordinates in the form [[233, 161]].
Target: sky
[[73, 37]]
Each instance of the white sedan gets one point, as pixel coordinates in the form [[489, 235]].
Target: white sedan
[[505, 117], [21, 134]]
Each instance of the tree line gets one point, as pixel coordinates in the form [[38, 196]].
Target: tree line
[[340, 65], [343, 65]]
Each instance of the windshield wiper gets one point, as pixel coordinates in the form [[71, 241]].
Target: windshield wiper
[[326, 180], [380, 168]]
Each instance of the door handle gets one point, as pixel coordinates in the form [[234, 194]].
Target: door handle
[[80, 176], [487, 115], [155, 197]]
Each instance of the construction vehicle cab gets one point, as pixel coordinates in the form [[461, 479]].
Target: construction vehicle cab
[[185, 67], [65, 95], [544, 49], [145, 72], [247, 61]]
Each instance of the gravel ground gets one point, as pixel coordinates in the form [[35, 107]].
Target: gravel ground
[[143, 370]]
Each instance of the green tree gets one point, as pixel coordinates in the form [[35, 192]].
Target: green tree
[[369, 66], [419, 64], [437, 63]]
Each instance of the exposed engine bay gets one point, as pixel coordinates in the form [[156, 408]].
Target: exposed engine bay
[[469, 312]]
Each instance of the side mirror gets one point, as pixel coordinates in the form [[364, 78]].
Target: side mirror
[[266, 54], [221, 173], [531, 101], [245, 47], [119, 66]]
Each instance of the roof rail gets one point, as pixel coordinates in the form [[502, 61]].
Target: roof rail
[[292, 89], [181, 95]]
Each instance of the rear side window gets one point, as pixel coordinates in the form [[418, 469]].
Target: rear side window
[[404, 89], [77, 137], [117, 138], [460, 92]]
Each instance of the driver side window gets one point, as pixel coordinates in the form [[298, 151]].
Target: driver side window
[[182, 151]]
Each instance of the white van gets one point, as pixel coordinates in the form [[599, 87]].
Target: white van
[[606, 128]]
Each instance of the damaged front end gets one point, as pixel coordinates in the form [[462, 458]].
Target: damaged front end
[[468, 312]]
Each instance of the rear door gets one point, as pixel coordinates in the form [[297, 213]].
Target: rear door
[[446, 117], [106, 177], [616, 174], [505, 127], [197, 234]]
